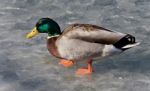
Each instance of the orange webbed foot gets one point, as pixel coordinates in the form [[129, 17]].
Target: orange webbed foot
[[85, 71], [66, 63]]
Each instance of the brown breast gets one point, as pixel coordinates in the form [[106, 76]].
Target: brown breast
[[52, 48]]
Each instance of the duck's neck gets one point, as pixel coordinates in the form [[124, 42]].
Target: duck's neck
[[51, 45]]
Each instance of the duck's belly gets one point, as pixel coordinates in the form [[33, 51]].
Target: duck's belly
[[74, 49]]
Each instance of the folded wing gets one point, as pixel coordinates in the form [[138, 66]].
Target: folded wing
[[92, 33]]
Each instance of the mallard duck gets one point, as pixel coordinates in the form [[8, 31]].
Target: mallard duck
[[82, 42]]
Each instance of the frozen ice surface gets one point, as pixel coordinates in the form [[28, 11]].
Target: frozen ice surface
[[26, 65]]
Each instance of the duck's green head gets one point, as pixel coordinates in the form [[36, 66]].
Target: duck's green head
[[45, 25]]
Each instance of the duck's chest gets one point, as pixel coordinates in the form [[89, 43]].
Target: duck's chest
[[52, 48]]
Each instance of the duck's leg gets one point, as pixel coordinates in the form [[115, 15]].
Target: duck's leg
[[84, 71], [66, 63]]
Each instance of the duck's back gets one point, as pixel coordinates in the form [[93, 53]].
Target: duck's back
[[92, 33]]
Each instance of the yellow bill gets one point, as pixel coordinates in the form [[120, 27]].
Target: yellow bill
[[33, 33]]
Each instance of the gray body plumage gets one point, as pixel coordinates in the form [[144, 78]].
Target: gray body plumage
[[83, 41]]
